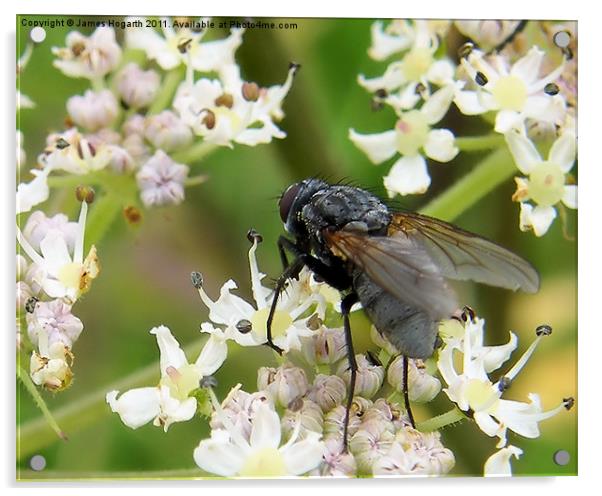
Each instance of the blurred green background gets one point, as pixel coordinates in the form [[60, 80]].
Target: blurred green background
[[145, 280]]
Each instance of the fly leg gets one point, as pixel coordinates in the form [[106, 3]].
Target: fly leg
[[406, 394], [346, 305]]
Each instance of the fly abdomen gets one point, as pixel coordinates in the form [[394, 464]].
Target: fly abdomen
[[407, 328]]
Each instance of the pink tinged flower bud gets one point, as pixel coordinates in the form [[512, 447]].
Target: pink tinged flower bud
[[370, 442], [423, 387], [38, 226], [369, 378], [24, 293], [121, 161], [337, 461], [389, 413], [161, 180], [55, 320], [134, 125], [327, 346], [334, 420], [284, 384], [136, 87], [240, 408], [93, 110], [21, 267], [167, 131], [137, 148], [328, 391], [307, 413], [34, 277]]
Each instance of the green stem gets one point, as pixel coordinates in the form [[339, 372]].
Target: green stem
[[194, 153], [176, 474], [196, 180], [480, 143], [48, 419], [496, 168], [168, 88], [440, 421], [36, 434]]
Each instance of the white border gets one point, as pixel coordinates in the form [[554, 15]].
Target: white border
[[590, 124]]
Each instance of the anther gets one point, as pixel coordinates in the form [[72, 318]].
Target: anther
[[132, 214], [84, 193], [208, 382], [551, 89], [314, 322], [294, 66], [224, 100], [381, 93], [504, 384], [468, 314], [481, 79], [244, 326], [253, 235], [568, 402], [184, 45], [250, 91], [197, 279], [208, 119], [30, 304], [465, 50], [62, 143], [543, 330]]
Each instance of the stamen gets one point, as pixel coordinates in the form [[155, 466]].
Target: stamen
[[27, 248], [244, 326], [30, 304], [196, 279], [253, 235], [541, 332], [78, 251], [481, 79], [568, 402], [221, 415], [551, 89]]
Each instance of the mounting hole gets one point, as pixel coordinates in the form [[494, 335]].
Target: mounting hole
[[562, 457], [37, 34], [37, 463], [562, 39]]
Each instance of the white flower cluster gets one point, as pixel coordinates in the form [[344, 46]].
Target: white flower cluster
[[48, 285], [471, 389], [525, 96], [138, 120]]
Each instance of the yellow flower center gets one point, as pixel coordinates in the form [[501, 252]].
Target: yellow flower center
[[181, 382], [546, 184], [510, 93], [416, 63], [412, 132], [267, 462], [480, 395], [69, 275], [282, 321]]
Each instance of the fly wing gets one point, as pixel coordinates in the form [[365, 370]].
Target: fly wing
[[463, 255], [400, 265]]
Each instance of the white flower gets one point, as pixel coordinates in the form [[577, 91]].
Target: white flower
[[417, 66], [38, 225], [55, 320], [246, 323], [411, 137], [34, 192], [170, 401], [50, 366], [93, 110], [184, 46], [498, 464], [228, 453], [472, 390], [546, 184], [515, 93], [137, 87], [161, 180], [167, 131], [72, 152], [89, 57], [62, 273], [233, 111]]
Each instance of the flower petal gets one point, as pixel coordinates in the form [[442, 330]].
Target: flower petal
[[378, 147], [34, 192], [537, 218], [55, 252], [438, 104], [136, 407], [528, 67], [218, 456], [440, 145], [409, 175], [498, 464], [392, 79], [474, 102], [563, 151], [523, 151], [570, 196], [171, 353], [441, 72], [486, 423], [303, 456], [265, 432], [212, 355], [495, 356], [507, 120], [384, 45], [550, 109]]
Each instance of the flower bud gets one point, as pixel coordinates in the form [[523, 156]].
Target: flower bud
[[137, 148], [309, 415], [370, 442], [382, 342], [161, 180], [327, 346], [284, 384], [167, 132], [337, 461], [93, 110], [334, 420], [369, 376], [487, 34], [34, 277], [121, 160], [136, 87], [422, 386], [133, 125], [24, 293], [52, 371], [240, 407], [328, 391], [55, 320], [38, 226]]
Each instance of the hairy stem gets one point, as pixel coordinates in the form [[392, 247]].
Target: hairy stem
[[440, 421], [168, 88], [194, 153]]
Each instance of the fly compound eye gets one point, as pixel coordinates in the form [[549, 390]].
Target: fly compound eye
[[287, 199]]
